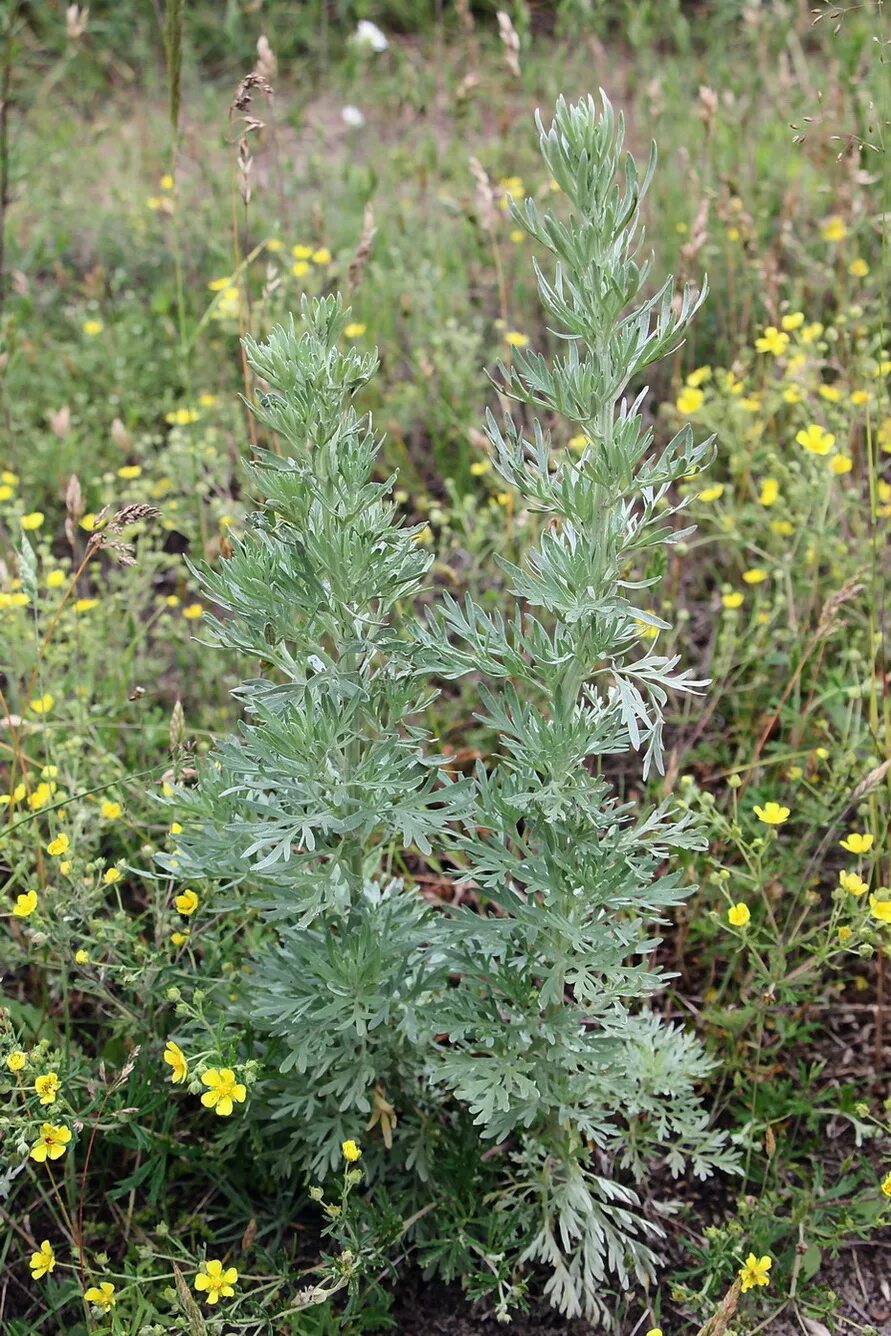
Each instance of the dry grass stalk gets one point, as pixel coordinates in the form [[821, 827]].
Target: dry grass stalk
[[363, 250], [511, 41]]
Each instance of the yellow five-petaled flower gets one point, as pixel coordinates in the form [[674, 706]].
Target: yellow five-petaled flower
[[856, 843], [351, 1151], [187, 903], [772, 814], [47, 1087], [175, 1058], [224, 1090], [51, 1144], [755, 1271], [213, 1282], [880, 909], [738, 915], [102, 1295], [25, 904], [42, 1261]]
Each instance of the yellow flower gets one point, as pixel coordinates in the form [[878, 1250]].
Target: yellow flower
[[212, 1281], [350, 1151], [42, 1261], [86, 604], [516, 339], [852, 883], [516, 235], [175, 1058], [770, 491], [187, 903], [880, 909], [732, 600], [219, 284], [754, 1272], [858, 268], [792, 395], [699, 376], [273, 244], [845, 933], [772, 814], [301, 252], [886, 1185], [654, 1331], [738, 915], [831, 393], [755, 576], [782, 527], [321, 256], [16, 1060], [51, 1144], [55, 579], [773, 341], [224, 1089], [811, 332], [859, 397], [92, 327], [299, 268], [175, 828], [41, 796], [6, 492], [840, 464], [713, 493], [794, 320], [47, 1087], [179, 938], [834, 229], [130, 471], [111, 811], [193, 611], [690, 400], [60, 845], [207, 400], [815, 439], [856, 843], [33, 520], [43, 704], [102, 1295], [354, 330], [479, 467], [182, 417], [88, 521], [82, 957], [111, 875], [25, 904]]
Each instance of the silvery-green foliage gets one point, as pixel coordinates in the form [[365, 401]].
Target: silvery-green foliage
[[551, 1044], [529, 1013], [329, 773]]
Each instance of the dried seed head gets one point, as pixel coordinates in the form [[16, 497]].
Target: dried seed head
[[511, 41], [267, 65], [363, 250], [485, 196], [76, 20], [132, 514]]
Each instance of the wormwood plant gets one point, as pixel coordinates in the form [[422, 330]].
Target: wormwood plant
[[526, 1011]]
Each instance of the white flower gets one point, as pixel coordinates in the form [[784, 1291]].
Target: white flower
[[352, 116], [369, 35]]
